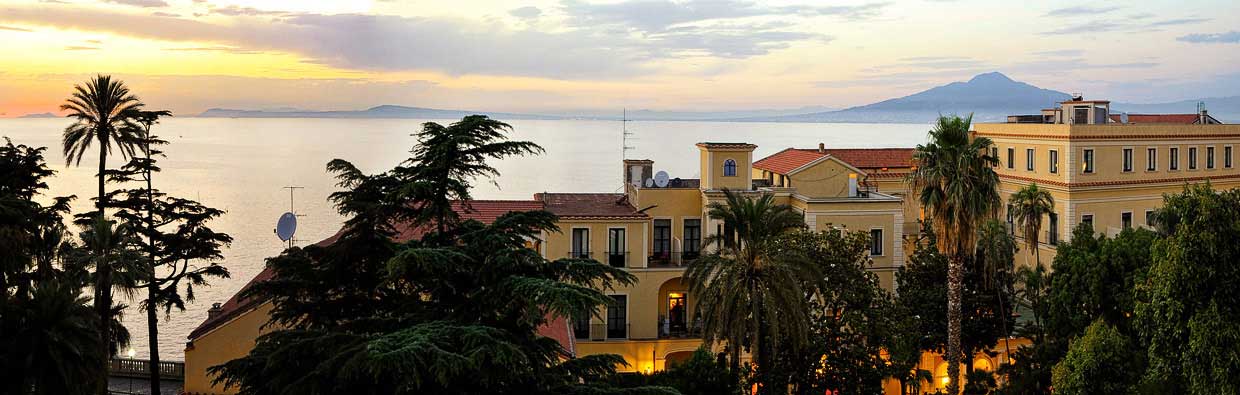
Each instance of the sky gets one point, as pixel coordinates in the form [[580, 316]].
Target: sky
[[566, 56]]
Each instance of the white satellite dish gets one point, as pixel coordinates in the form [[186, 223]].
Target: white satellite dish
[[660, 179], [649, 183], [286, 226]]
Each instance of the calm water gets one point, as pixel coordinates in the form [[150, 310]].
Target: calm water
[[240, 165]]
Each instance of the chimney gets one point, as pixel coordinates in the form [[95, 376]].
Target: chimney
[[214, 311], [822, 148]]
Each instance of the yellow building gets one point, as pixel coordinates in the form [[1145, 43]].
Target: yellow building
[[1110, 170]]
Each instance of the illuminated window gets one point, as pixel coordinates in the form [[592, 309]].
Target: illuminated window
[[1089, 161]]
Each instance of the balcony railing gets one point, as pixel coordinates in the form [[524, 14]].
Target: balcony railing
[[680, 329], [580, 255], [600, 332], [671, 259], [124, 367], [617, 259]]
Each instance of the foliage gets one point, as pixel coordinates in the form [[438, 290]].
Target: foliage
[[1100, 362], [752, 290], [979, 382], [1093, 279], [1187, 308], [701, 374], [923, 290], [50, 340], [956, 183], [455, 311], [850, 318], [1027, 207]]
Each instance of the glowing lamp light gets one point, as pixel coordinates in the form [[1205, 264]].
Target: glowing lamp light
[[649, 368], [130, 353], [945, 380]]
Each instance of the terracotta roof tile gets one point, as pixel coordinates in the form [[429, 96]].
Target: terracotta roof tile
[[485, 211], [589, 205], [785, 161]]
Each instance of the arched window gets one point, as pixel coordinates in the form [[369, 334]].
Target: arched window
[[729, 168]]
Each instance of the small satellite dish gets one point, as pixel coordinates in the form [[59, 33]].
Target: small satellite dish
[[660, 179], [286, 226], [649, 183]]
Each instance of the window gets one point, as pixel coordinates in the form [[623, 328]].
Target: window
[[1192, 158], [729, 168], [1088, 219], [1029, 159], [1174, 155], [693, 237], [1209, 157], [876, 242], [1054, 163], [1052, 231], [662, 248], [1089, 161], [994, 153], [1010, 218], [1149, 218], [617, 317], [1011, 158], [1151, 159], [1227, 157], [581, 327], [1125, 219], [581, 243], [616, 247], [1127, 159]]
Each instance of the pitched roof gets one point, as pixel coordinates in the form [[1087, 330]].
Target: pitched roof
[[589, 205], [1185, 119], [785, 161], [485, 211]]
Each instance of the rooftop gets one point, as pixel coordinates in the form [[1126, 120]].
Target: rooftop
[[726, 145], [485, 211], [785, 161], [589, 205], [1182, 119]]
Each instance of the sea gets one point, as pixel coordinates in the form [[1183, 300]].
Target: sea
[[243, 166]]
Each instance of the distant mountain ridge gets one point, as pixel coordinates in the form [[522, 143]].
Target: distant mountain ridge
[[384, 111], [40, 115], [989, 97]]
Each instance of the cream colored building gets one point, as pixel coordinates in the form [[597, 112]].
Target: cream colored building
[[1110, 170]]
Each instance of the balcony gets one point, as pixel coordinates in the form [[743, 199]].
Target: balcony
[[618, 259], [580, 255], [600, 332], [671, 259], [680, 329]]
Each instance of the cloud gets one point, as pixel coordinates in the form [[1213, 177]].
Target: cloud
[[1173, 22], [165, 14], [214, 49], [1079, 11], [1061, 66], [140, 3], [449, 45], [14, 29], [1059, 52], [81, 48], [527, 12], [1124, 25], [1230, 37], [659, 15]]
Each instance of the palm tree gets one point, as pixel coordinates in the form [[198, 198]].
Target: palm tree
[[748, 283], [57, 335], [102, 108], [1028, 206], [956, 183], [995, 250]]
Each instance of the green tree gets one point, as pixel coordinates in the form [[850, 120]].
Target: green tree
[[996, 250], [1187, 308], [701, 374], [49, 336], [1100, 362], [923, 291], [850, 318], [455, 311], [102, 110], [751, 291], [447, 158], [1093, 279], [956, 183], [1028, 205], [182, 251]]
